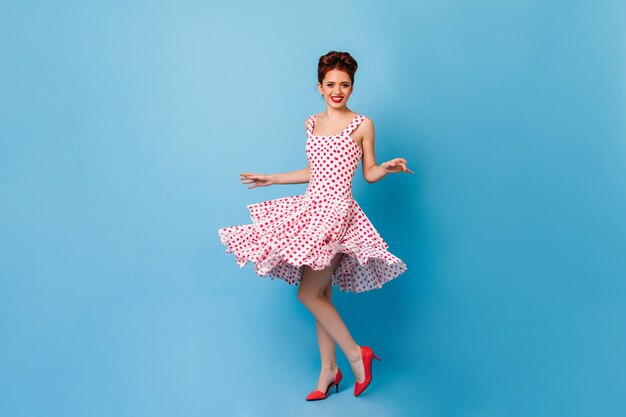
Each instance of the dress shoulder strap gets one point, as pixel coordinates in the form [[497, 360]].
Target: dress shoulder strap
[[309, 125], [353, 125]]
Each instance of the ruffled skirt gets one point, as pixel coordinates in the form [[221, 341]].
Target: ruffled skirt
[[307, 229]]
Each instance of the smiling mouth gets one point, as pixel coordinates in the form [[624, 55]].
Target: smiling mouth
[[336, 99]]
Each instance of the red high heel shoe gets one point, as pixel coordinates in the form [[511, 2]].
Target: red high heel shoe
[[319, 395], [367, 354]]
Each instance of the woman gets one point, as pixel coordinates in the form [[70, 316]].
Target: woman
[[322, 238]]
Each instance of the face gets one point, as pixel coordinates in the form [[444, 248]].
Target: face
[[336, 88]]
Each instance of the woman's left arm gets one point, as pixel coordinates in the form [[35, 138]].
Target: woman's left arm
[[371, 171]]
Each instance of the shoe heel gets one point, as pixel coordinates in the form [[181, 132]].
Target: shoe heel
[[337, 389], [376, 356]]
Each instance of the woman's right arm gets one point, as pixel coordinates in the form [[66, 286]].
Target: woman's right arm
[[263, 180], [295, 177]]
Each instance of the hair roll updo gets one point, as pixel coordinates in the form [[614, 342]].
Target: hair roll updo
[[342, 61]]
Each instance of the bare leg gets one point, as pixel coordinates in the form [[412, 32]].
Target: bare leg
[[328, 351], [311, 293]]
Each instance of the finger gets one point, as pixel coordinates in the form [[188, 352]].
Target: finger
[[249, 175]]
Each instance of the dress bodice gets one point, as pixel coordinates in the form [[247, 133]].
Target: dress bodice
[[333, 160]]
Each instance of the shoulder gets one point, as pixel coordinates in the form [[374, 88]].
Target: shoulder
[[307, 121], [367, 121], [366, 125]]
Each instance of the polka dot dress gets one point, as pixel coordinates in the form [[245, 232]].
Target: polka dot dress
[[310, 229]]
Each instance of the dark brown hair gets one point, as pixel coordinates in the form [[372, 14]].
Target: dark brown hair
[[342, 61]]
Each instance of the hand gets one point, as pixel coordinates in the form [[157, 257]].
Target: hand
[[396, 165], [259, 180]]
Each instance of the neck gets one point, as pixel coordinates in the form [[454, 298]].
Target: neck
[[335, 114]]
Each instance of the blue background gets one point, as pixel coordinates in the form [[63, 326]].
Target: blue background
[[124, 127]]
